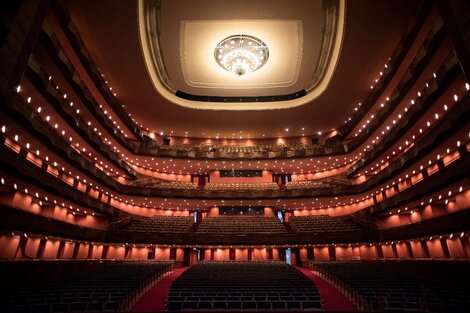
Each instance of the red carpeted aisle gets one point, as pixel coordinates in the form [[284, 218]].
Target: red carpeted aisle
[[333, 299], [154, 299]]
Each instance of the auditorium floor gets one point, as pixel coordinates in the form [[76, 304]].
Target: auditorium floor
[[154, 299], [333, 299]]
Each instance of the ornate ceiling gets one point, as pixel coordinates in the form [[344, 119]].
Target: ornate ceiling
[[304, 46], [184, 35]]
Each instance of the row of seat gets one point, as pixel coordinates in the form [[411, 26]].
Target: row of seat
[[163, 184], [243, 286], [180, 185], [252, 297], [303, 184], [247, 292], [238, 148], [401, 286], [241, 224], [245, 306], [321, 223], [242, 186], [147, 182], [238, 224], [160, 224], [318, 183], [108, 287]]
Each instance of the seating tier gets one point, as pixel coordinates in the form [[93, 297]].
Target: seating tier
[[241, 186], [160, 224], [319, 183], [108, 287], [247, 286], [321, 223], [402, 286], [241, 224]]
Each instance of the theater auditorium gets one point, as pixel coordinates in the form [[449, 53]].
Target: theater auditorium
[[234, 156]]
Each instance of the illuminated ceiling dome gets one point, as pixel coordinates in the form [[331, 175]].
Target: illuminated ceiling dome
[[241, 54]]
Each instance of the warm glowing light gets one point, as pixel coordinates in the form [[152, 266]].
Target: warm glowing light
[[241, 54]]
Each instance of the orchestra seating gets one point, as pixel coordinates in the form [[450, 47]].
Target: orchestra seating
[[104, 287], [241, 186], [241, 224], [401, 286], [243, 286], [159, 224], [320, 224]]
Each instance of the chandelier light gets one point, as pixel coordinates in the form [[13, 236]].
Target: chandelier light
[[241, 54]]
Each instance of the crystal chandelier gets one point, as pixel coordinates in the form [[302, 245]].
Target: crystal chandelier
[[241, 54]]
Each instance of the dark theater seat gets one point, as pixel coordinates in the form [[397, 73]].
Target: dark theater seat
[[100, 287], [402, 286], [246, 286]]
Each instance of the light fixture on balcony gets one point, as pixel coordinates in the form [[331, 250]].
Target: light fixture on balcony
[[241, 54]]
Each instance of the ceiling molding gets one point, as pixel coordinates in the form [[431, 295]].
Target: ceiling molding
[[334, 13]]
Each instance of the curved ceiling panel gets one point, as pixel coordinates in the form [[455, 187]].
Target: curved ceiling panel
[[178, 50]]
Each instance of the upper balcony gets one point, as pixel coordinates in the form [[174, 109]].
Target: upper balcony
[[261, 151]]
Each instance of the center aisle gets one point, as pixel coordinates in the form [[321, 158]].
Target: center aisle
[[333, 299], [154, 299]]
